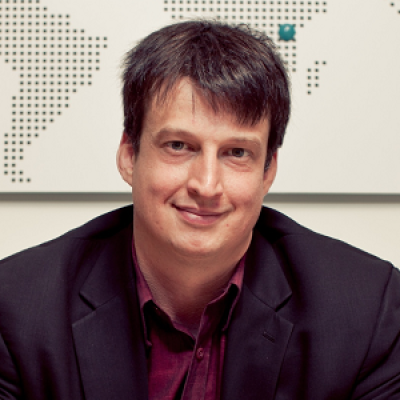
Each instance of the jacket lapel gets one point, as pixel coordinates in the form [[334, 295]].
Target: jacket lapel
[[108, 336], [258, 336]]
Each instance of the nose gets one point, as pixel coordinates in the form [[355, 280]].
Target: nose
[[205, 176]]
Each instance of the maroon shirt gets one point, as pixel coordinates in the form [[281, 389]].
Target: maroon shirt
[[181, 366]]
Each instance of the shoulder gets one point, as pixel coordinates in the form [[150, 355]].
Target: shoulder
[[65, 256], [100, 228], [342, 303], [328, 280], [104, 226], [319, 265], [302, 243]]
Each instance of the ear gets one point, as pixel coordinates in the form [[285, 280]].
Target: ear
[[270, 173], [125, 156]]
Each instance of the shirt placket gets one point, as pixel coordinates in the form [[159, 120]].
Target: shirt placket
[[197, 381]]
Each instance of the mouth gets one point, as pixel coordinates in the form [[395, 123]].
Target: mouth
[[198, 216]]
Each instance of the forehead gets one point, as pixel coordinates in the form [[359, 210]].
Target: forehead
[[185, 101]]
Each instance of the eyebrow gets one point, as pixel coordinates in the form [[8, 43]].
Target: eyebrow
[[245, 139], [171, 131]]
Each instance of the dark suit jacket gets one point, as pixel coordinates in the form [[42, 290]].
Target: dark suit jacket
[[317, 319]]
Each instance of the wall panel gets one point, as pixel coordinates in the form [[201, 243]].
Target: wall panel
[[61, 119]]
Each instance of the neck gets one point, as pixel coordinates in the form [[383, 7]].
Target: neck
[[183, 286]]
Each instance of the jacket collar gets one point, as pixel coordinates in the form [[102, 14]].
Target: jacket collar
[[264, 275], [258, 336], [107, 335]]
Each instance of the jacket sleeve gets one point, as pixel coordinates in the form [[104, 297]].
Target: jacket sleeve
[[379, 377], [9, 379]]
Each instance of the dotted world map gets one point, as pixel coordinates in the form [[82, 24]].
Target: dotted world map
[[53, 58]]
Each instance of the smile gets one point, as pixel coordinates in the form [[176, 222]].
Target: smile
[[198, 216]]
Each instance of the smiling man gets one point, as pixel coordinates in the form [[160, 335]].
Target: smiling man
[[198, 183], [198, 291]]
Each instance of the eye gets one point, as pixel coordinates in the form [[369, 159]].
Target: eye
[[176, 145], [238, 152]]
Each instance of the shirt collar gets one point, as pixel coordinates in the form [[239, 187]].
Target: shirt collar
[[233, 288]]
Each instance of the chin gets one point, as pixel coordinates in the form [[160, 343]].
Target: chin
[[197, 248]]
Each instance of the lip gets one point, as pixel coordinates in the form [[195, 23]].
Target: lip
[[196, 216]]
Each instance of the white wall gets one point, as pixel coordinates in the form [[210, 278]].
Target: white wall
[[342, 137], [371, 223]]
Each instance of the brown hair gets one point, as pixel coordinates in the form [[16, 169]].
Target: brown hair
[[234, 68]]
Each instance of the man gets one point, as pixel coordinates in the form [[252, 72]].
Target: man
[[198, 292]]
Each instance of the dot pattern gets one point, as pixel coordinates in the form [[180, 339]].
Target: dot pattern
[[52, 60], [396, 5], [266, 15], [313, 77]]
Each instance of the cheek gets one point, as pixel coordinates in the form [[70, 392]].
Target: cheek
[[246, 191], [160, 182]]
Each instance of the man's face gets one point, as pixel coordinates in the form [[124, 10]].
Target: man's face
[[198, 181]]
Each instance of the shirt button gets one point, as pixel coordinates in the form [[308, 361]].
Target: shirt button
[[200, 353], [157, 310]]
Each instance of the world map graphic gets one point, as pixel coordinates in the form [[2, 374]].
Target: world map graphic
[[53, 59]]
